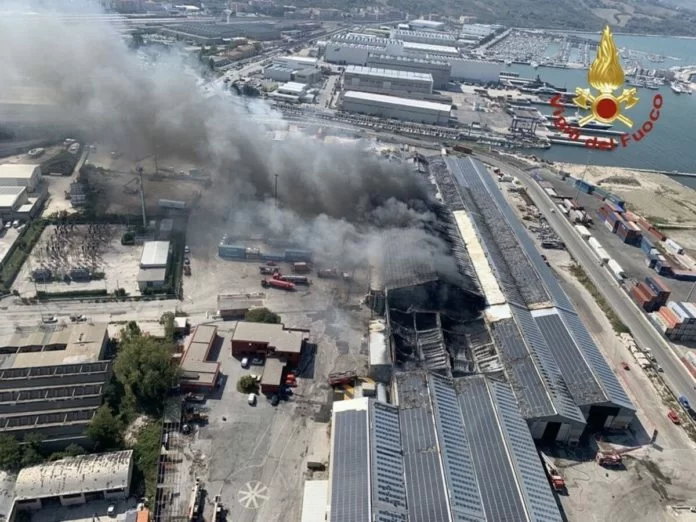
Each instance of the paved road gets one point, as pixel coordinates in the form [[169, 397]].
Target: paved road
[[675, 374]]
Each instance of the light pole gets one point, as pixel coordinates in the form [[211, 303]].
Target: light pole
[[584, 173]]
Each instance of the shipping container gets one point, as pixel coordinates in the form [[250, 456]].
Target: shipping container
[[611, 226], [552, 193], [170, 203], [273, 257], [650, 263], [613, 206], [630, 216], [616, 269], [298, 255], [663, 269], [584, 233], [602, 254], [683, 275], [614, 217], [657, 285], [646, 245], [657, 234], [673, 246], [577, 216], [232, 251], [568, 203], [584, 186], [593, 242]]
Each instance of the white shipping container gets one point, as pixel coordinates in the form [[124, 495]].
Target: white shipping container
[[551, 192], [602, 254], [584, 233], [691, 308], [659, 322], [679, 310], [616, 269], [568, 204], [593, 242], [673, 246]]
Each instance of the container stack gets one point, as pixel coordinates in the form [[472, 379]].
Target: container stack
[[584, 233], [673, 246], [610, 217], [677, 321], [629, 232], [232, 251], [584, 186], [662, 266], [650, 295], [683, 275], [646, 246], [293, 255]]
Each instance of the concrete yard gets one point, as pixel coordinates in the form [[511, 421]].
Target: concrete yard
[[119, 263]]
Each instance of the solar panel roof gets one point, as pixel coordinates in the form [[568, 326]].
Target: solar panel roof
[[350, 495]]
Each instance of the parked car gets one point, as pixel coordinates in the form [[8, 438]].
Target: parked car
[[187, 250], [673, 416], [187, 261], [258, 361], [49, 319], [275, 400], [245, 362], [625, 366], [16, 223], [251, 399]]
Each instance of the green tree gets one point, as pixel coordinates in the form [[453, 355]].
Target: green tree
[[105, 430], [10, 454], [246, 384], [143, 366], [261, 315], [167, 320], [145, 456], [31, 450]]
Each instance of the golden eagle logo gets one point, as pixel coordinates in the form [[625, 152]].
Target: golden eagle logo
[[606, 76]]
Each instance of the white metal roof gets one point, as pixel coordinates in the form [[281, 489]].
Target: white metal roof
[[305, 60], [10, 195], [377, 72], [83, 474], [292, 88], [155, 254], [395, 100], [315, 500], [443, 49], [16, 170], [412, 59], [423, 34]]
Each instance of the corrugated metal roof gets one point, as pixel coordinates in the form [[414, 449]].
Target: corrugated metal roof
[[396, 101], [155, 254], [443, 49], [393, 74]]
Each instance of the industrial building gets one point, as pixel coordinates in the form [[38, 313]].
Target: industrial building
[[451, 450], [398, 108], [426, 25], [475, 71], [214, 33], [293, 89], [74, 481], [422, 50], [263, 339], [197, 372], [438, 69], [279, 72], [559, 377], [344, 53], [370, 79], [298, 62], [272, 377], [155, 254], [231, 306], [19, 175], [52, 382], [424, 37], [12, 198]]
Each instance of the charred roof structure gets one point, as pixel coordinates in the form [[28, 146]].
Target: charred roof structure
[[557, 373], [451, 451]]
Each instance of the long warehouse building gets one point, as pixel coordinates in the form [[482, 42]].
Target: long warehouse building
[[425, 37], [397, 108], [550, 359], [452, 450], [370, 79], [438, 69]]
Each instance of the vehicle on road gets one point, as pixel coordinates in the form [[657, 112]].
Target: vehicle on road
[[673, 416], [187, 261], [187, 270], [245, 362], [251, 399], [49, 319], [684, 402], [194, 397], [16, 223], [625, 366], [8, 224], [659, 368], [78, 318]]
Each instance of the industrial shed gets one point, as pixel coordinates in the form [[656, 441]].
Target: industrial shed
[[373, 79], [551, 360], [75, 480], [19, 175], [451, 451], [263, 339], [197, 372], [155, 254], [271, 380], [398, 108]]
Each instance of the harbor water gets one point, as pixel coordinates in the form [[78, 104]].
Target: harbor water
[[669, 146]]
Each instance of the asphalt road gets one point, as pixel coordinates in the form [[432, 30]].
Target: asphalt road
[[675, 373]]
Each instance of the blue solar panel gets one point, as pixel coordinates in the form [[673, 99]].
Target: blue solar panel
[[499, 491], [539, 499], [388, 491], [601, 369], [465, 497], [425, 489], [350, 496], [581, 382]]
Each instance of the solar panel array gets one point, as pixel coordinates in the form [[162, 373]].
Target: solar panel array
[[388, 490], [472, 175], [540, 502], [465, 500], [601, 369], [499, 490], [350, 495], [578, 376]]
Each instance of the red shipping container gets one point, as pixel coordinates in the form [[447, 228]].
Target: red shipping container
[[670, 316], [659, 282], [630, 216], [657, 234], [646, 290]]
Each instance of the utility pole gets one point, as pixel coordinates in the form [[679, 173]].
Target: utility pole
[[275, 191]]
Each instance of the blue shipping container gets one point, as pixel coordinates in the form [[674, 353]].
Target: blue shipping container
[[617, 201], [614, 217], [685, 276], [650, 262], [273, 257], [645, 242], [652, 284], [298, 255], [613, 206]]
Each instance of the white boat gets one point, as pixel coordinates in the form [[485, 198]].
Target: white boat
[[677, 88], [534, 64]]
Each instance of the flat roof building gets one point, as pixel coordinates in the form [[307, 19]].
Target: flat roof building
[[424, 37], [426, 25], [11, 199], [314, 506], [292, 88], [298, 62], [430, 49], [438, 69], [151, 278], [271, 380], [266, 339], [197, 372], [155, 254], [373, 79], [20, 175], [397, 108], [236, 305], [74, 480]]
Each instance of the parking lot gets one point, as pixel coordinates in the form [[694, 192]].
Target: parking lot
[[254, 457]]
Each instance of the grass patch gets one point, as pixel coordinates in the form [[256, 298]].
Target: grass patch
[[19, 252], [72, 294], [616, 323]]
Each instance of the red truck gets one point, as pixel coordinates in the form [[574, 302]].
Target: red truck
[[277, 283]]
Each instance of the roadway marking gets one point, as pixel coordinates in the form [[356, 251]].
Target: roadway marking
[[253, 495]]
